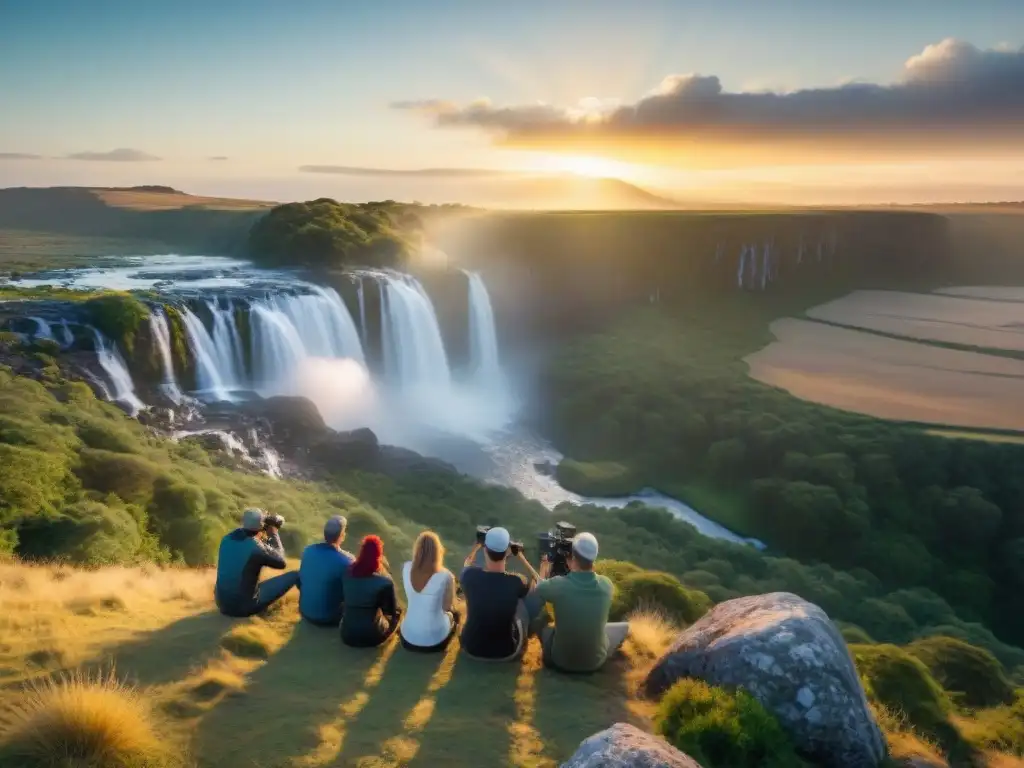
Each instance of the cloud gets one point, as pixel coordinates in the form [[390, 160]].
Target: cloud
[[351, 170], [121, 155], [19, 156], [217, 157], [952, 96]]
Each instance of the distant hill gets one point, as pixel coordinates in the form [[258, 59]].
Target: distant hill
[[565, 192]]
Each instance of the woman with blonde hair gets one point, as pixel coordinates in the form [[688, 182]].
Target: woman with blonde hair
[[430, 623]]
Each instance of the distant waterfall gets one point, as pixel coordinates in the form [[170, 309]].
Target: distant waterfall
[[162, 336], [228, 344], [113, 365], [278, 348], [362, 310], [69, 338], [483, 337], [207, 357], [43, 329], [413, 345]]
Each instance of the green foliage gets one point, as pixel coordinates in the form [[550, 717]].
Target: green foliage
[[972, 674], [662, 591], [127, 475], [664, 391], [85, 533], [326, 233], [854, 635], [605, 478], [722, 729], [893, 677], [118, 316]]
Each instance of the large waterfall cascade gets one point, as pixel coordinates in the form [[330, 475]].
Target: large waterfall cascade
[[305, 341]]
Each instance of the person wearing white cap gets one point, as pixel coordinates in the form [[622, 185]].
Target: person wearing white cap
[[498, 620], [243, 554], [321, 575], [582, 639]]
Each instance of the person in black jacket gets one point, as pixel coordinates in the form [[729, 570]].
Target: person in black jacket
[[370, 614], [243, 554]]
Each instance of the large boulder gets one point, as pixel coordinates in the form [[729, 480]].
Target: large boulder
[[786, 653], [358, 449], [626, 746]]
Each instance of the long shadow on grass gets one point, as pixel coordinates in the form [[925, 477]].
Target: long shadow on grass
[[286, 702], [569, 708], [166, 655], [471, 717], [391, 704]]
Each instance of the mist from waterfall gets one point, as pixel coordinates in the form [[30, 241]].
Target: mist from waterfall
[[43, 330], [113, 365], [162, 336]]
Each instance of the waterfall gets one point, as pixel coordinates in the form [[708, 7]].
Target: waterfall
[[278, 349], [412, 344], [113, 364], [362, 310], [228, 345], [43, 330], [69, 338], [207, 357], [743, 263], [765, 266], [483, 337], [162, 336]]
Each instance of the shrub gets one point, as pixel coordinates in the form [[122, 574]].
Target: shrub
[[107, 435], [900, 682], [87, 533], [650, 589], [972, 673], [118, 316], [854, 635], [616, 570], [604, 478], [31, 482], [130, 477], [87, 723], [720, 729]]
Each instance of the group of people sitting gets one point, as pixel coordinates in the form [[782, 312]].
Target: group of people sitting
[[357, 593]]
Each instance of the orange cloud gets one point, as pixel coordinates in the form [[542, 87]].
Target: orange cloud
[[951, 99]]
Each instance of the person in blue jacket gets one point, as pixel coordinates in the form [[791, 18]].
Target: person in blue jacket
[[243, 554], [320, 576]]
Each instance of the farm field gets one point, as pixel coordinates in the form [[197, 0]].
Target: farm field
[[891, 378], [951, 319]]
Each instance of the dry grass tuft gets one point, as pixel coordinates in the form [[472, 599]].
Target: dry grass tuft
[[81, 722], [651, 633], [255, 640], [904, 742]]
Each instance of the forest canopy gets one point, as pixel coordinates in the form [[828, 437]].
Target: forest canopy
[[326, 233]]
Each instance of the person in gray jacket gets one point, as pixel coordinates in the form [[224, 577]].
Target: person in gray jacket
[[243, 554]]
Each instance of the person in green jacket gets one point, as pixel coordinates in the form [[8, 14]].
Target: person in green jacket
[[582, 639], [243, 554], [370, 614]]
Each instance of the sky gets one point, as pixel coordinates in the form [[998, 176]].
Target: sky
[[784, 101]]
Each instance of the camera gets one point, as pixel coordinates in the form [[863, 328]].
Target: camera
[[273, 520], [557, 545], [515, 547]]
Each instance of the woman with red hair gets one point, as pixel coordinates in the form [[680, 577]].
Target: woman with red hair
[[370, 614]]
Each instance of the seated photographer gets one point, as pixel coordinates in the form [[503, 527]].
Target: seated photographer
[[497, 621], [243, 554], [430, 622], [582, 639], [370, 614], [321, 572]]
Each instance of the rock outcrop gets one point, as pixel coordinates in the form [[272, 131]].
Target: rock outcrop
[[626, 746], [786, 653]]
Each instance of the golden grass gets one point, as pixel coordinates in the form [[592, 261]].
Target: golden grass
[[79, 722], [255, 640], [986, 437], [165, 201], [904, 742]]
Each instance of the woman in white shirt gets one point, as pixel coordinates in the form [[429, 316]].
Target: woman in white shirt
[[429, 623]]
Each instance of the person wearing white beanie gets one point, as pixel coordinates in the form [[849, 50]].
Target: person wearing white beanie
[[582, 638]]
